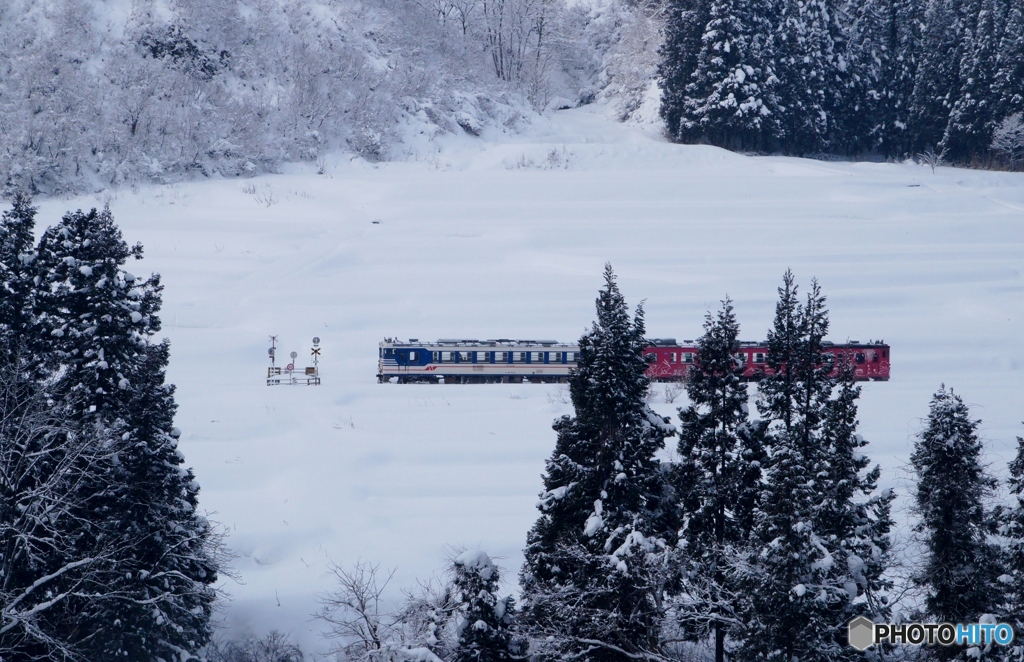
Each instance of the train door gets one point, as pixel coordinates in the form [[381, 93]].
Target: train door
[[408, 359]]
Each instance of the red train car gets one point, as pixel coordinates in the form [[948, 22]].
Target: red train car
[[671, 361]]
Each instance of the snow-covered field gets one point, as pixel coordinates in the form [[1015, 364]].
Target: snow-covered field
[[506, 237]]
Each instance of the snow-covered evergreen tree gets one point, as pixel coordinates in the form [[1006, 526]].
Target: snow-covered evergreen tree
[[484, 633], [852, 515], [972, 117], [883, 54], [96, 321], [151, 500], [938, 73], [1013, 555], [1009, 74], [730, 100], [815, 85], [16, 255], [717, 73], [785, 574], [592, 576], [718, 476], [820, 534], [685, 23], [960, 568], [94, 316]]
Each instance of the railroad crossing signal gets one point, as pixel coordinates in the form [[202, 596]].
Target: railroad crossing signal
[[310, 376]]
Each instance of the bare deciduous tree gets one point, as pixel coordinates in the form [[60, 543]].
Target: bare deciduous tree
[[1008, 139], [355, 613], [274, 647], [48, 472]]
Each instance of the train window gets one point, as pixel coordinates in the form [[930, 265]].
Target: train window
[[482, 357], [687, 357], [742, 357], [759, 357], [501, 357], [446, 357], [536, 357], [570, 357], [412, 356], [436, 356], [520, 357], [874, 357], [885, 353], [554, 357], [860, 357], [671, 357], [464, 357]]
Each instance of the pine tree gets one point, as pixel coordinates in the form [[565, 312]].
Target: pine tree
[[812, 68], [785, 576], [730, 99], [96, 321], [717, 479], [591, 576], [483, 630], [94, 316], [938, 73], [960, 566], [883, 54], [972, 117], [16, 257], [852, 516], [152, 500], [685, 22], [820, 538], [777, 391], [1009, 75], [1013, 555]]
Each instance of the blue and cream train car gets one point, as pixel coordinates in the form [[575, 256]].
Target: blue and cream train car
[[475, 361]]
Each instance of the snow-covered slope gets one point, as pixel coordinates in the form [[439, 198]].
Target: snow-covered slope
[[506, 237]]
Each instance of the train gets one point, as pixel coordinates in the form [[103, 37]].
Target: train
[[506, 361]]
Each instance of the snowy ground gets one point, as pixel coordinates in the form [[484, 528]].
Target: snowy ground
[[506, 237]]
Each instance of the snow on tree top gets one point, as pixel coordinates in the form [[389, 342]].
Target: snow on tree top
[[477, 560]]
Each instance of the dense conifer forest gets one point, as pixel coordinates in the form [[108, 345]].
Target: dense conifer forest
[[896, 78]]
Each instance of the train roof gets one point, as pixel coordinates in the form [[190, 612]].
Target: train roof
[[651, 342], [469, 342]]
